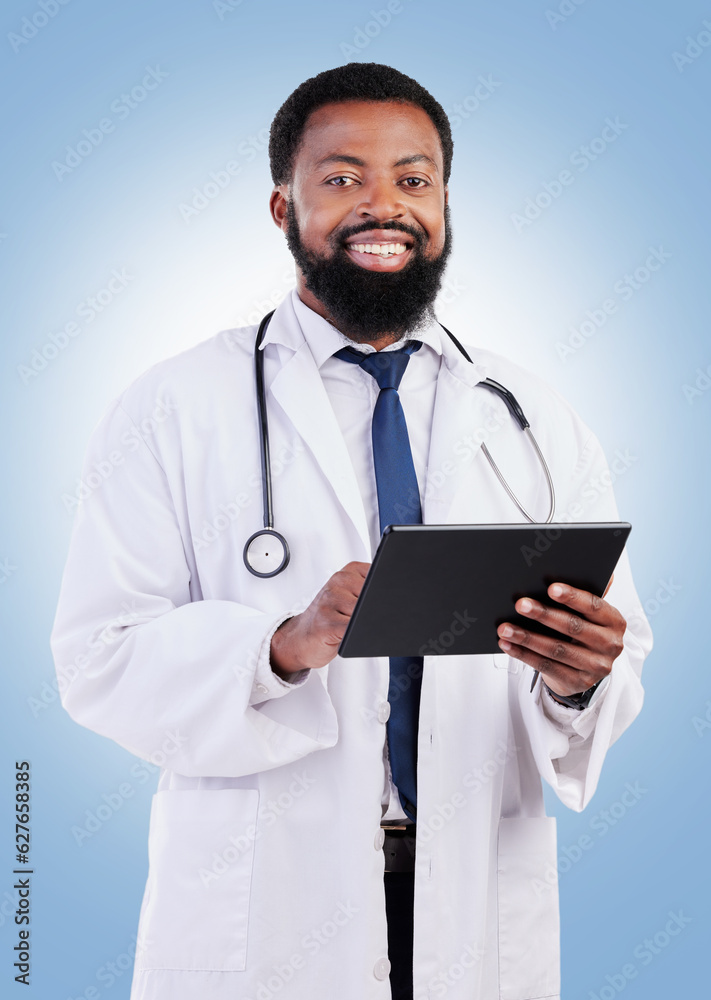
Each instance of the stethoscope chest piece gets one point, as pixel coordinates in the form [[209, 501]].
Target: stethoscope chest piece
[[266, 553]]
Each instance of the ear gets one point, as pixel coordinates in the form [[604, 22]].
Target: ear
[[277, 205], [446, 194]]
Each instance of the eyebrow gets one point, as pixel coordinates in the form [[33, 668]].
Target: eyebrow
[[356, 162]]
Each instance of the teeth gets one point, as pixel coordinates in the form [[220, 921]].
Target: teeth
[[382, 249]]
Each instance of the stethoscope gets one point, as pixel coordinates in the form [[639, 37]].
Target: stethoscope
[[266, 552]]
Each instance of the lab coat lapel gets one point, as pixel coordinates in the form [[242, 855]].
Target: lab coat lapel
[[459, 425], [299, 390]]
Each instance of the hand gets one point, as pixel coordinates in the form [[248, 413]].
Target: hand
[[572, 666], [312, 638]]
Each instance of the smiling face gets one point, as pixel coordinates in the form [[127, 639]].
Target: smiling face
[[366, 217]]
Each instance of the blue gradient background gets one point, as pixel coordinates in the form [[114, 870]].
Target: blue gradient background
[[516, 292]]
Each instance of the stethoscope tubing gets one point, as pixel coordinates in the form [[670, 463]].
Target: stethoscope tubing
[[264, 425], [267, 494]]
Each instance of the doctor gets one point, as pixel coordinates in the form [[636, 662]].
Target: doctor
[[266, 857]]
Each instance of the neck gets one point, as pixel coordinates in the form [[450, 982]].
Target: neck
[[309, 299]]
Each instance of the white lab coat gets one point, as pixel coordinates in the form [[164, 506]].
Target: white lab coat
[[266, 868]]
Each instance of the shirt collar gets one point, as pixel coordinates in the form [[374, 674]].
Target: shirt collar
[[324, 339], [295, 325]]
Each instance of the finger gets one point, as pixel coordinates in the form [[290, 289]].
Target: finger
[[356, 574], [359, 568], [590, 606], [331, 623], [588, 662], [342, 601], [561, 679], [349, 580], [602, 639]]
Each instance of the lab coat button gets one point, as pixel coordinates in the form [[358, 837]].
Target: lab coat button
[[262, 688], [382, 969], [379, 840], [384, 711]]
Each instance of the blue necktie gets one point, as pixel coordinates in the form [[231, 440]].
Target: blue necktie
[[398, 503]]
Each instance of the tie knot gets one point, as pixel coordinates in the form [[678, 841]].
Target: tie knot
[[386, 367]]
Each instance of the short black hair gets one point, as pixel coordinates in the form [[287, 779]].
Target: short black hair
[[353, 82]]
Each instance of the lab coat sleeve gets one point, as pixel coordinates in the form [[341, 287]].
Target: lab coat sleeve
[[569, 745], [138, 657], [267, 684]]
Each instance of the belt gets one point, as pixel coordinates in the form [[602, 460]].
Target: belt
[[399, 848]]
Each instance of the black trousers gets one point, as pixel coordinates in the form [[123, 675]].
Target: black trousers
[[399, 903]]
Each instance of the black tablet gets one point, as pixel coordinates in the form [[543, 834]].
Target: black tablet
[[441, 589]]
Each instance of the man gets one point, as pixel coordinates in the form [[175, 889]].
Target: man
[[267, 831]]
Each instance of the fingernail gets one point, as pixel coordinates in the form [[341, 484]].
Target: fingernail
[[556, 590], [506, 646], [507, 631], [525, 605]]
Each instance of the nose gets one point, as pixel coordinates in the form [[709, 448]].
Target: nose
[[381, 200]]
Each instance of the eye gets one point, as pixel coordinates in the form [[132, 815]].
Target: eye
[[420, 183], [341, 178]]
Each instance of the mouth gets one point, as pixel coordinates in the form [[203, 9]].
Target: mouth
[[376, 251]]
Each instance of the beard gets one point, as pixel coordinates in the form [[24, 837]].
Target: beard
[[363, 304]]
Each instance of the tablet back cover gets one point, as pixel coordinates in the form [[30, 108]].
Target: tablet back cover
[[444, 589]]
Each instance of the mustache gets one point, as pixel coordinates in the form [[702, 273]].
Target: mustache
[[399, 227]]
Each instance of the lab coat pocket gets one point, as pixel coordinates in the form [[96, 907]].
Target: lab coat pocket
[[196, 904], [529, 923]]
